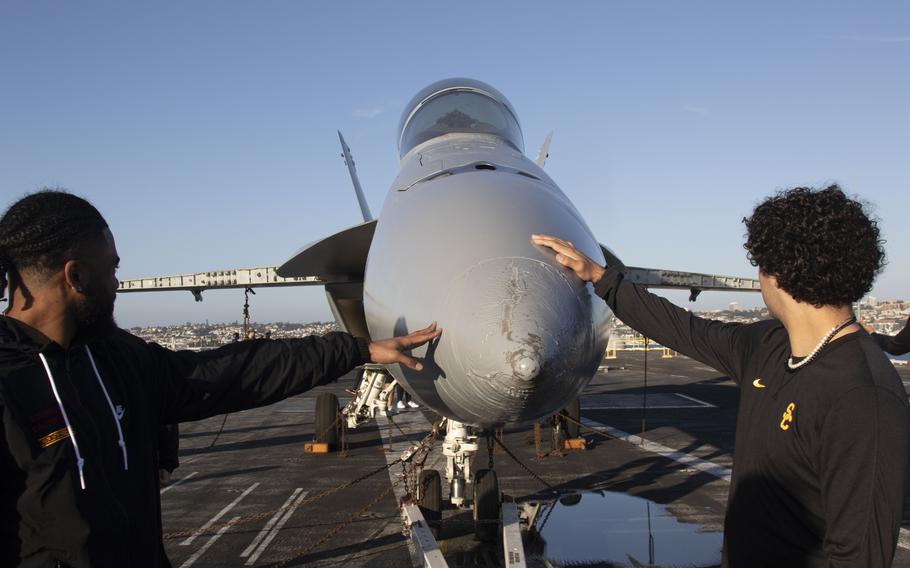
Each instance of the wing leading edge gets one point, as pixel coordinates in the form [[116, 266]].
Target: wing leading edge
[[694, 282], [340, 262]]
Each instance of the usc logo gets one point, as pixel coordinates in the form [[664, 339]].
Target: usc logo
[[787, 418]]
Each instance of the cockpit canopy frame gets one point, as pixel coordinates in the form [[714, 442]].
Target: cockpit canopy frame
[[458, 105]]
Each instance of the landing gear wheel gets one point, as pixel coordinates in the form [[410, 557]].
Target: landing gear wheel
[[487, 502], [328, 425], [573, 411], [429, 494]]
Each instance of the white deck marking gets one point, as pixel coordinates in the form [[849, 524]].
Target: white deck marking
[[176, 483], [274, 530], [711, 468], [695, 400], [189, 561], [268, 526], [221, 513], [633, 401]]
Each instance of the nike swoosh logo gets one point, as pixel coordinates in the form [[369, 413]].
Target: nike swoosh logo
[[757, 384]]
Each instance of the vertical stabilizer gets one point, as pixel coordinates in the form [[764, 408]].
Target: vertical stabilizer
[[352, 169], [544, 151]]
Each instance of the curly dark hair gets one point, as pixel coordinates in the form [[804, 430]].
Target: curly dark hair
[[43, 230], [821, 246]]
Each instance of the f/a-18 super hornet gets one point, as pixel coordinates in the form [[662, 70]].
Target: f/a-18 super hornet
[[522, 335]]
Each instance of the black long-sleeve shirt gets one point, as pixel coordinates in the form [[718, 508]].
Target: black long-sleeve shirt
[[69, 492], [895, 344], [821, 452]]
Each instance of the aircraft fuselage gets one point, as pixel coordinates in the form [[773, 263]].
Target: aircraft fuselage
[[522, 335]]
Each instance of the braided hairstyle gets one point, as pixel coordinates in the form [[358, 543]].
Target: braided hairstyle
[[43, 230]]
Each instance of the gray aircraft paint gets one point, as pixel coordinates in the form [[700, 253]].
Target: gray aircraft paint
[[522, 335]]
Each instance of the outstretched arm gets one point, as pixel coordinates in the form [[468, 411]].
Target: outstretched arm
[[723, 346], [895, 344], [255, 373]]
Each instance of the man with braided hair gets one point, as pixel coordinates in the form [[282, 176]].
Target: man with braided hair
[[81, 401], [823, 426]]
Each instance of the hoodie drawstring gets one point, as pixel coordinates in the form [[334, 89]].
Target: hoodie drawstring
[[120, 440], [79, 461]]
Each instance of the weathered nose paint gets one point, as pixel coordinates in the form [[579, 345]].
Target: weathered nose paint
[[525, 366], [520, 332], [522, 335]]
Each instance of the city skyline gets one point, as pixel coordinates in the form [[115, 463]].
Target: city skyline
[[887, 316]]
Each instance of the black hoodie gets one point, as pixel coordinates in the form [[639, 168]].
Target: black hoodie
[[78, 432], [169, 447]]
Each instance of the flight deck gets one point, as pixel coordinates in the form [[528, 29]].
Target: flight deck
[[652, 483]]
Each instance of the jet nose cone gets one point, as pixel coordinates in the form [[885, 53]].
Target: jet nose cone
[[521, 333], [525, 365]]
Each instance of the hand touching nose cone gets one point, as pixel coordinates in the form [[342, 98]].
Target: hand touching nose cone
[[570, 257], [392, 350]]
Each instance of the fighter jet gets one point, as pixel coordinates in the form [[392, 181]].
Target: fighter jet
[[522, 335]]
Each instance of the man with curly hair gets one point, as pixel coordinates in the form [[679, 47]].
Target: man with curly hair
[[823, 427]]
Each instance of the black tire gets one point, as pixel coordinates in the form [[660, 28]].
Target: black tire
[[326, 415], [573, 411], [487, 502], [429, 494]]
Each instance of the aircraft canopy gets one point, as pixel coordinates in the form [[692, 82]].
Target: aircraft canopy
[[458, 105]]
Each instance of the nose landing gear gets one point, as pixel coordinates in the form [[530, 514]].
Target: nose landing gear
[[481, 492]]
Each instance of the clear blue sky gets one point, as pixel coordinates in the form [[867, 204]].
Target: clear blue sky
[[205, 131]]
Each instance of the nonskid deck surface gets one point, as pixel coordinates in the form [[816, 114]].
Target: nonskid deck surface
[[247, 479]]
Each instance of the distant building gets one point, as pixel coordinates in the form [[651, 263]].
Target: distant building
[[734, 306], [208, 336]]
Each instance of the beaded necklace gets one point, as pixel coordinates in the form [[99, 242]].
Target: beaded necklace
[[821, 344]]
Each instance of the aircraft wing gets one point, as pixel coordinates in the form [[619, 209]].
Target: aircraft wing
[[340, 262], [658, 278], [341, 257], [337, 262], [196, 282], [692, 281]]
